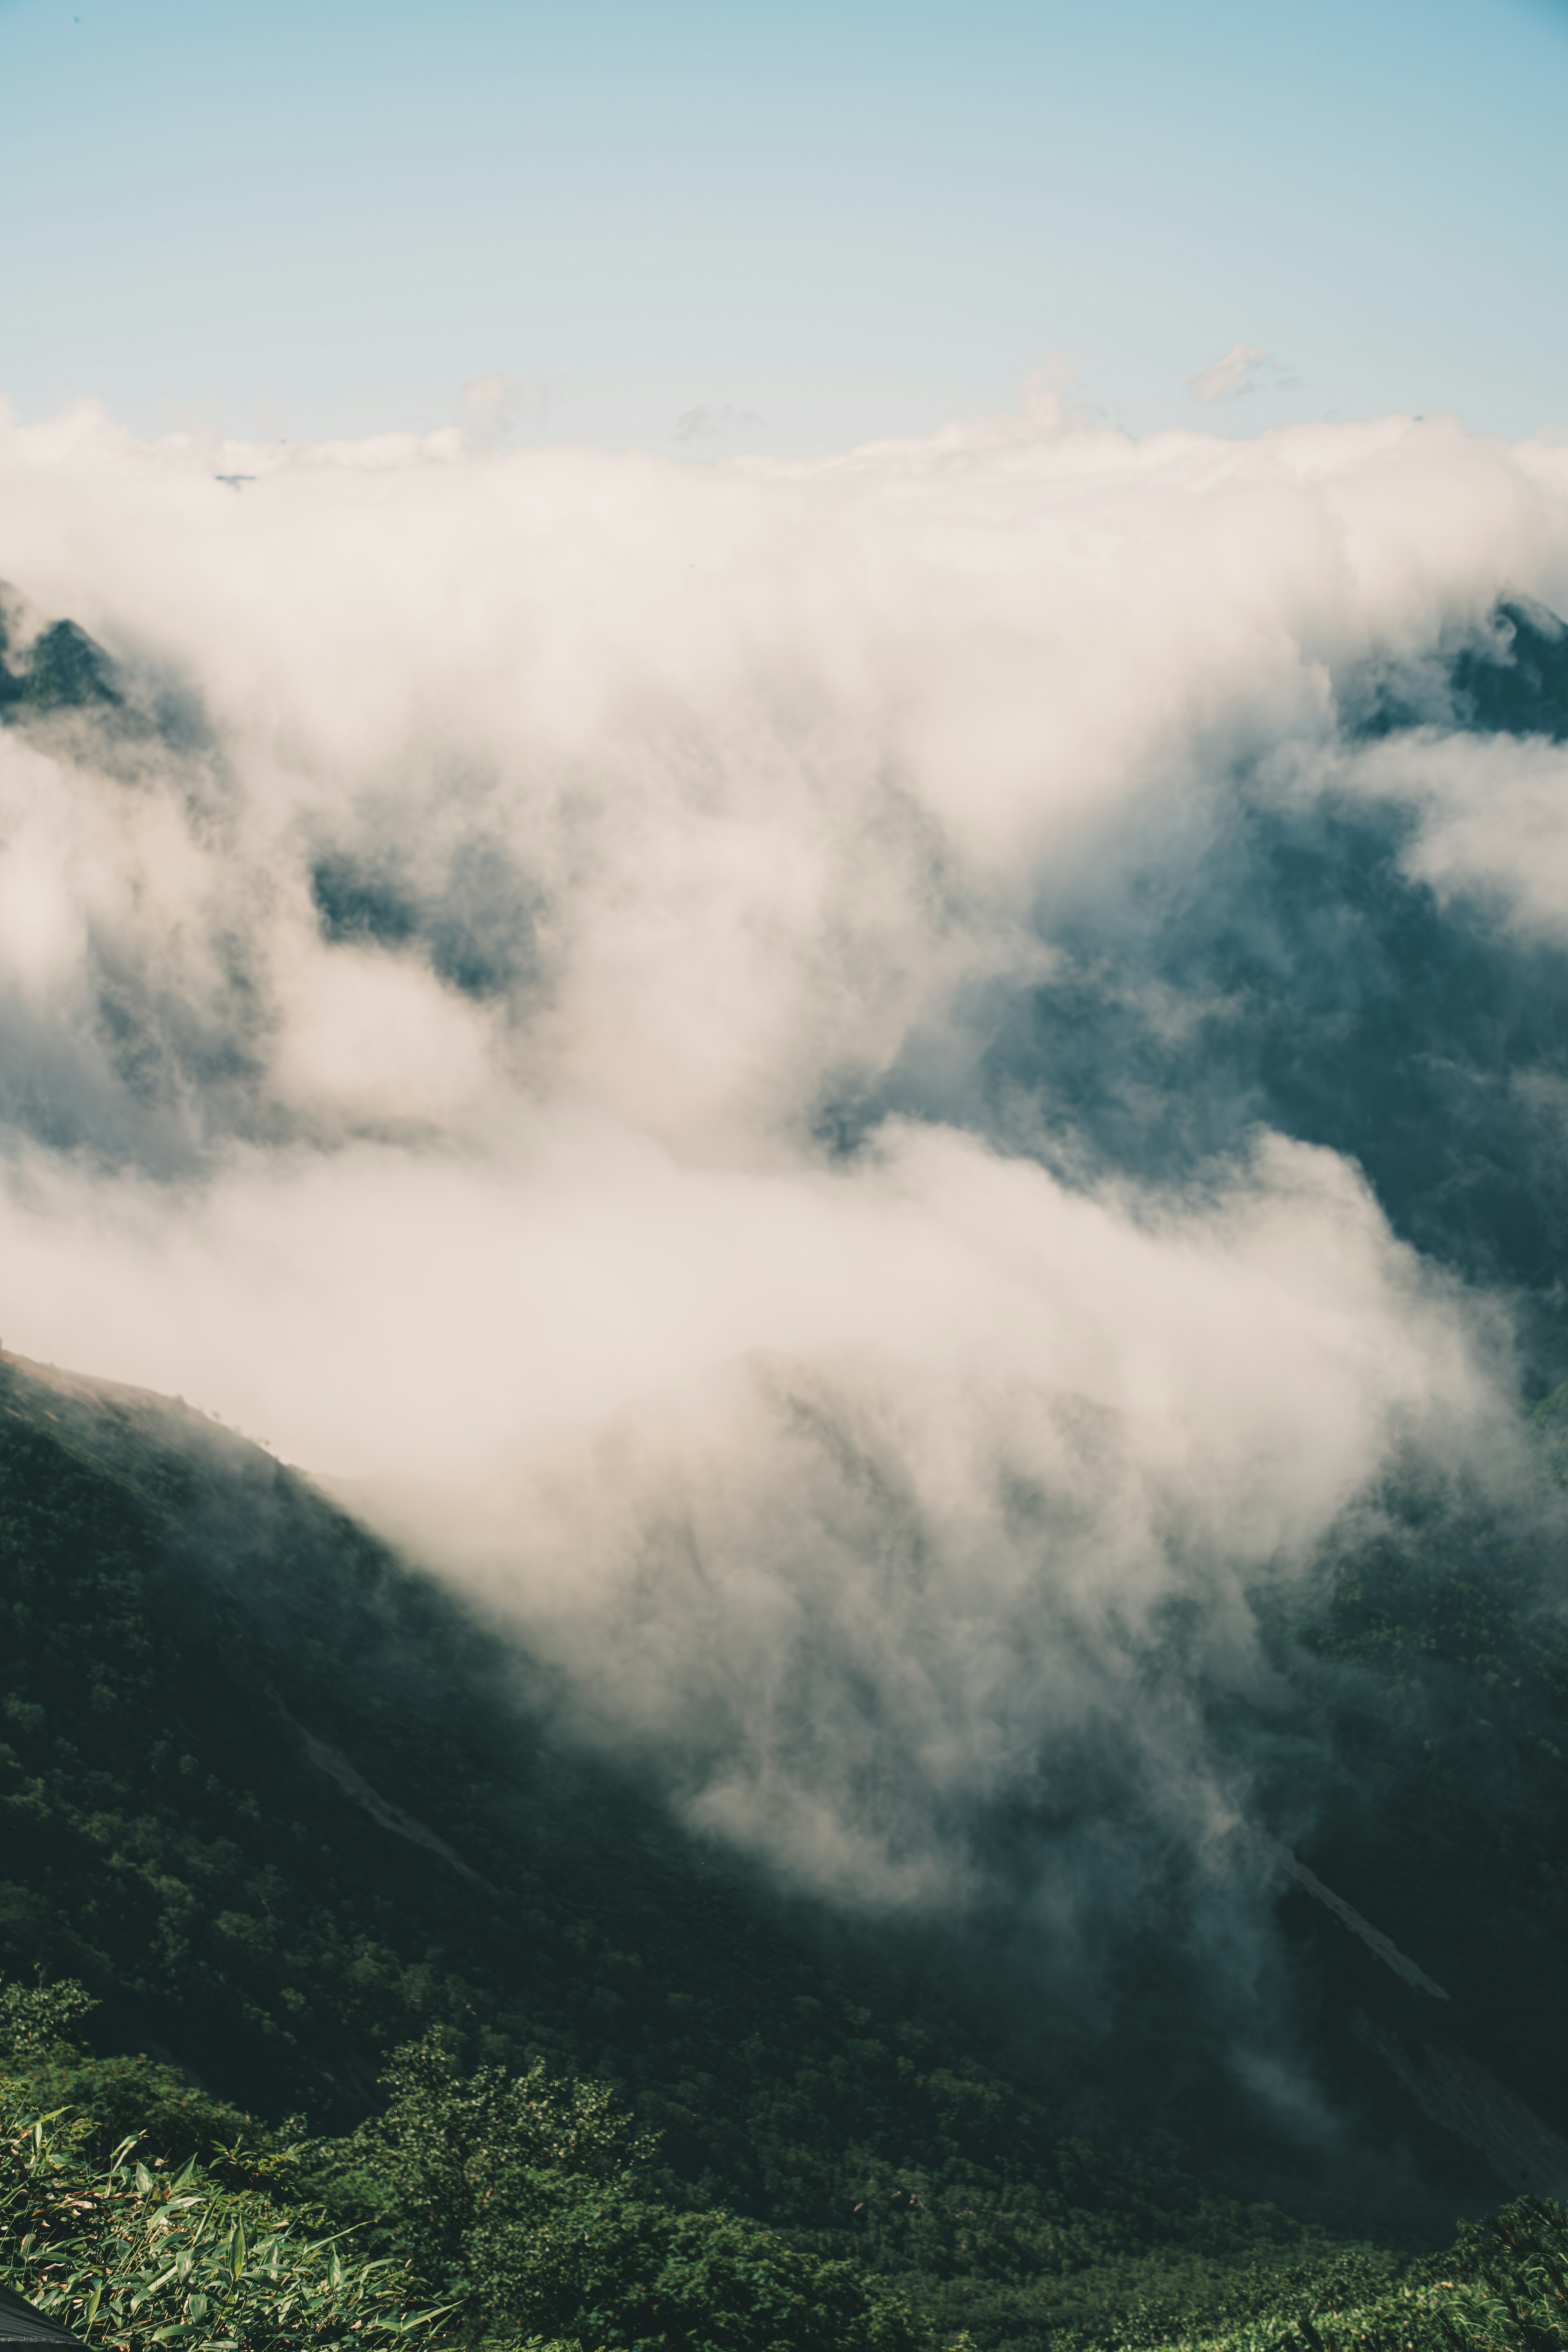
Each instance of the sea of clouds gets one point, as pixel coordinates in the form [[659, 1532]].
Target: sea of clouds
[[801, 1075]]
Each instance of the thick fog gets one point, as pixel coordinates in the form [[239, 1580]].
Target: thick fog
[[870, 1094]]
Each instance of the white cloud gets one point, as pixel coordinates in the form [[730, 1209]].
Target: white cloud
[[1244, 368], [494, 404], [450, 994], [705, 424]]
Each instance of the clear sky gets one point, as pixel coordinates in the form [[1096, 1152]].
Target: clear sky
[[703, 226]]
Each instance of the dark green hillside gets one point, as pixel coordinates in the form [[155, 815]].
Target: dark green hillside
[[1420, 1767], [281, 1807], [279, 1803]]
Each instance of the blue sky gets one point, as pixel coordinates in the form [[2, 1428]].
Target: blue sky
[[790, 229]]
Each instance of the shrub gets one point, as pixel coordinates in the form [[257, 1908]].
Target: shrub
[[135, 2257]]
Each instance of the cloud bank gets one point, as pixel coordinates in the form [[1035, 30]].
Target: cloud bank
[[868, 1094]]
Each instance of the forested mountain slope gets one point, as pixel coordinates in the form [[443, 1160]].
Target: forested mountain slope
[[282, 1805]]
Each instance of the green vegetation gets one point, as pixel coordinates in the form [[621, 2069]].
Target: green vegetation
[[372, 1951], [181, 1615], [135, 2257], [497, 2209], [1502, 2286], [1433, 1685], [489, 2210]]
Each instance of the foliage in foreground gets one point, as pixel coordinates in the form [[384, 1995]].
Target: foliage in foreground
[[535, 2184], [135, 2257], [505, 2208], [531, 2200], [492, 2210]]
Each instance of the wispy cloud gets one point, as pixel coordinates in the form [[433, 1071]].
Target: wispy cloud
[[702, 423], [1244, 368], [493, 406]]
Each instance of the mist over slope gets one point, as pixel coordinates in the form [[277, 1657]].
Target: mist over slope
[[888, 1101], [282, 1804]]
